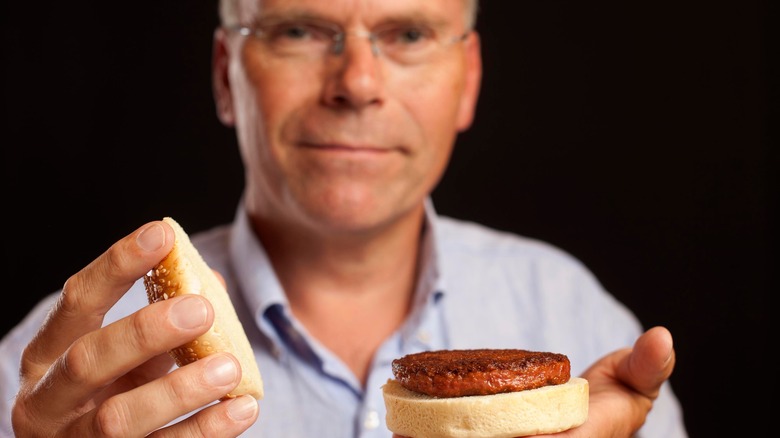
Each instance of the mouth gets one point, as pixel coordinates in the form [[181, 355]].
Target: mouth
[[353, 148], [348, 135]]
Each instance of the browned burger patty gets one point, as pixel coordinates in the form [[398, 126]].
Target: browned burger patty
[[457, 373]]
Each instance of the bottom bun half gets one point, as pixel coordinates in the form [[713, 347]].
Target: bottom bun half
[[183, 271], [548, 409]]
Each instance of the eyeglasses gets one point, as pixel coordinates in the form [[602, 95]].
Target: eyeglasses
[[405, 44]]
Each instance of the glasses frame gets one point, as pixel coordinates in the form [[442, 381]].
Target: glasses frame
[[339, 36]]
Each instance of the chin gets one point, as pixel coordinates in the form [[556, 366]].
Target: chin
[[358, 216]]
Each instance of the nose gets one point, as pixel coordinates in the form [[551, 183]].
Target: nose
[[355, 73]]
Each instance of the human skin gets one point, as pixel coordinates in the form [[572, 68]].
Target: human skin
[[340, 153], [339, 158], [350, 144], [81, 379]]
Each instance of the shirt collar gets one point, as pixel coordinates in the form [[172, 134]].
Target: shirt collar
[[255, 276], [430, 285], [261, 288]]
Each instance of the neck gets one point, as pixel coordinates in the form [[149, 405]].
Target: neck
[[351, 292]]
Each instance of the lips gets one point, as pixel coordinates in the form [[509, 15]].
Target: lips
[[348, 147], [347, 134]]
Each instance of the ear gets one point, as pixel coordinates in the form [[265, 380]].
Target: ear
[[220, 78], [468, 102]]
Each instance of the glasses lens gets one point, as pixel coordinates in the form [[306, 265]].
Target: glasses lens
[[298, 38], [407, 44]]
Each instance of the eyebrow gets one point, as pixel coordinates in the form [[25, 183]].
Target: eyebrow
[[296, 14]]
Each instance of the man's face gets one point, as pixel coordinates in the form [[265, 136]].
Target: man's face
[[349, 140]]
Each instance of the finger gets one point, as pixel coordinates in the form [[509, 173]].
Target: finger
[[102, 356], [651, 362], [228, 418], [87, 295], [145, 373], [152, 406]]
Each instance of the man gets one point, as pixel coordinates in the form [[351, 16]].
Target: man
[[346, 113]]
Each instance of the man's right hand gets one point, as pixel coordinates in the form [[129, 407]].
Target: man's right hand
[[81, 379]]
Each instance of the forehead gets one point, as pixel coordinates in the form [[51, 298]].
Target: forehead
[[367, 12]]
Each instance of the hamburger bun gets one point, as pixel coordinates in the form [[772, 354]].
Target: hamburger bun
[[548, 409], [183, 271], [483, 393]]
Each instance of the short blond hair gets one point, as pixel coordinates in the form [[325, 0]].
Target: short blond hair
[[230, 11]]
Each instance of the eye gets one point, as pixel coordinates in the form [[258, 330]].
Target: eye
[[297, 31], [407, 35], [293, 31], [411, 35]]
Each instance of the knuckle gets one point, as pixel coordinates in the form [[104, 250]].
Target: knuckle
[[180, 385], [111, 419], [114, 263], [145, 331], [78, 363], [20, 417], [71, 298], [29, 364], [213, 421], [210, 425]]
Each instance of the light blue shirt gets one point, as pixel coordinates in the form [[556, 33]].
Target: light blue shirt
[[478, 288]]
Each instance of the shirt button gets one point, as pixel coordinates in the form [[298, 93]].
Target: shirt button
[[423, 336], [372, 420]]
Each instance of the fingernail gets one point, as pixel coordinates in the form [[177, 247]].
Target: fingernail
[[188, 313], [242, 408], [221, 371], [151, 238]]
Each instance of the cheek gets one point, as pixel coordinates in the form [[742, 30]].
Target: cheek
[[434, 109], [433, 98], [268, 89], [439, 114], [268, 102]]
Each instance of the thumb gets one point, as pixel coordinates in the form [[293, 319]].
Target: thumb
[[650, 363]]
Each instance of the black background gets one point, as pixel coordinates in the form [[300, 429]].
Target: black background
[[635, 135]]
